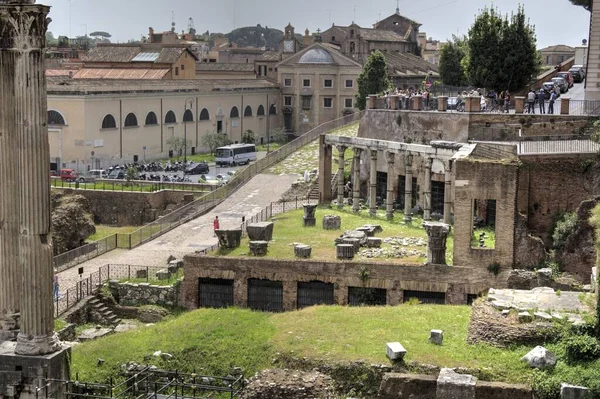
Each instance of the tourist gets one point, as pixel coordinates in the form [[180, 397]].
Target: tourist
[[531, 102], [551, 103], [482, 102], [56, 286], [216, 225], [542, 100], [506, 101]]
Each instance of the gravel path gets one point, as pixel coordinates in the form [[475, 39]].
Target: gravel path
[[197, 234]]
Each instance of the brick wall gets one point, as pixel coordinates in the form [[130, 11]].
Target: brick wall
[[456, 281]]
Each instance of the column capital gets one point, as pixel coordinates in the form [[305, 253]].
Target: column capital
[[23, 25], [408, 159], [357, 152], [428, 162], [374, 155], [341, 149], [390, 156]]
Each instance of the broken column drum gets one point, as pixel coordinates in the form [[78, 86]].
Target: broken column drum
[[332, 222], [262, 231], [309, 215], [437, 233], [229, 238], [24, 147]]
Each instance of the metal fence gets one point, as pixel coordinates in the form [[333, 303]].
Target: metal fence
[[140, 186], [84, 253], [273, 209], [580, 107]]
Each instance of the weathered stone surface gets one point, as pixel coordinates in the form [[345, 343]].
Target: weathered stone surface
[[360, 235], [395, 351], [525, 317], [451, 385], [151, 314], [309, 211], [289, 384], [520, 279], [540, 357], [542, 316], [436, 337], [332, 222], [374, 242], [437, 234], [594, 279], [141, 273], [355, 242], [94, 333], [530, 251], [262, 231], [573, 392], [229, 238], [309, 222], [302, 251], [345, 251], [72, 221], [163, 274], [258, 248], [413, 386]]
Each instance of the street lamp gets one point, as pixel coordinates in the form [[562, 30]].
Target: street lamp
[[185, 108]]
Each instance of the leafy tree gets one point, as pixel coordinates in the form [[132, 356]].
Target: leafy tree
[[177, 144], [452, 54], [278, 136], [248, 137], [214, 140], [103, 35], [587, 4], [373, 79], [131, 174], [50, 39]]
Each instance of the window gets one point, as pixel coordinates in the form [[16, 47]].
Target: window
[[287, 101], [109, 122], [327, 102], [204, 115], [188, 116], [333, 38], [176, 71], [484, 224], [131, 120], [287, 82], [260, 111], [248, 111], [272, 110], [349, 83], [234, 113], [55, 119], [348, 103], [151, 119], [306, 83], [306, 102], [170, 117], [328, 83], [182, 67]]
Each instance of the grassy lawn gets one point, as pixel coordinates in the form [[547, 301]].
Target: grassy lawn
[[210, 341], [307, 157], [103, 231], [191, 158], [288, 229]]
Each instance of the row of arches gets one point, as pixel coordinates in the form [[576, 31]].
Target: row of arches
[[55, 118]]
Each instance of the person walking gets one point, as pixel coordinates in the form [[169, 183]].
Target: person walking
[[507, 101], [55, 285], [216, 226], [531, 102], [542, 100], [551, 103]]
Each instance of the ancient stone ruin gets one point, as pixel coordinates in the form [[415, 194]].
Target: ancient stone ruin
[[229, 238], [262, 231], [437, 233], [332, 222], [309, 215]]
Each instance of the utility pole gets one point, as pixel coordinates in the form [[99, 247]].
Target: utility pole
[[70, 18], [185, 108]]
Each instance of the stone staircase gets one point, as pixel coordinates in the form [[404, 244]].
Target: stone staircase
[[102, 313]]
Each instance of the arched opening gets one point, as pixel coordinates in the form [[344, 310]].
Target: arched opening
[[55, 118], [170, 118], [204, 115], [131, 120], [260, 111], [272, 110], [248, 111], [151, 119], [188, 116], [109, 122], [234, 113]]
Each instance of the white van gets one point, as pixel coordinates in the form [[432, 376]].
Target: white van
[[92, 175]]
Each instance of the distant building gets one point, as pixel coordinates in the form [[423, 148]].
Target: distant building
[[554, 55], [404, 27], [289, 44], [430, 49]]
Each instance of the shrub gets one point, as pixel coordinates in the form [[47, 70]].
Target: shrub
[[565, 225], [494, 268], [581, 348]]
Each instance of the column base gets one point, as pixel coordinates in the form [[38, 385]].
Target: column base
[[373, 212], [37, 346], [389, 215], [408, 219]]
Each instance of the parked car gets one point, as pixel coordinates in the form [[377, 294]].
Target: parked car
[[582, 68], [197, 168], [562, 84], [209, 179], [68, 174], [92, 175], [550, 87], [568, 76], [117, 174], [578, 74]]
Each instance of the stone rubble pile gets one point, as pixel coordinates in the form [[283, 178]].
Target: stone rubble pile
[[289, 384]]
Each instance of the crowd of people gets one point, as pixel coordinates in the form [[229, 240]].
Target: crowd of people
[[540, 97]]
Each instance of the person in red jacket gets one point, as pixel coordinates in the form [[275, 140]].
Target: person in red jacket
[[215, 225]]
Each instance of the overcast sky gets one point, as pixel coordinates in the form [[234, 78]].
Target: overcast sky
[[556, 21]]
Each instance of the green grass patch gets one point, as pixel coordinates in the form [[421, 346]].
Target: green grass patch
[[103, 231], [288, 229], [59, 324], [191, 158], [489, 238]]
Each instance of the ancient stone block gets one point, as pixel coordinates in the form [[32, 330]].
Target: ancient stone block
[[229, 238], [352, 241], [451, 385], [436, 337], [309, 222], [302, 251], [362, 237], [332, 222], [573, 392], [539, 357], [374, 242], [260, 231], [437, 233], [395, 351], [345, 251], [309, 210], [258, 248]]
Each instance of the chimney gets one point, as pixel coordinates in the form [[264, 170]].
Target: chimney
[[151, 35]]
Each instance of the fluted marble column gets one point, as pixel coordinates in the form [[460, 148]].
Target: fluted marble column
[[23, 28], [389, 201], [408, 188], [427, 191], [340, 180], [356, 181], [373, 184], [448, 194], [10, 273]]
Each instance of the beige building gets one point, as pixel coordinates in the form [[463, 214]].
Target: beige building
[[318, 85], [430, 49], [554, 55], [97, 123]]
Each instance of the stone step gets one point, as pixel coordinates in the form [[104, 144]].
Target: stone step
[[94, 301]]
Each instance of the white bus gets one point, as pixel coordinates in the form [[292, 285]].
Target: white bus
[[235, 154]]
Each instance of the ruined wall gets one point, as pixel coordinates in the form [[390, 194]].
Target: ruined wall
[[129, 294], [455, 281], [119, 208], [477, 180]]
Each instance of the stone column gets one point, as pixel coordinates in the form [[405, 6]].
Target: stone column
[[408, 188], [519, 104], [10, 273], [340, 180], [372, 101], [373, 184], [437, 233], [394, 102], [325, 154], [23, 30], [442, 103], [427, 191], [356, 181], [564, 105], [448, 194], [389, 200]]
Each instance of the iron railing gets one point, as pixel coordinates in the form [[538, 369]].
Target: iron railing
[[84, 253], [580, 107], [140, 186]]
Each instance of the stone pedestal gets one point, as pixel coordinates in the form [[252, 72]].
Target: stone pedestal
[[451, 385], [260, 231], [443, 103], [564, 106], [472, 104], [436, 337], [394, 102], [573, 392], [229, 238], [416, 103], [374, 242], [309, 215], [258, 248], [372, 101], [519, 104], [395, 351], [332, 222], [302, 251], [437, 233], [345, 251]]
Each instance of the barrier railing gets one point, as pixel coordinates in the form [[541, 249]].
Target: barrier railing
[[84, 253], [139, 186]]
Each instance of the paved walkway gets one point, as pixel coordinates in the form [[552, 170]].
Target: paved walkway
[[197, 234]]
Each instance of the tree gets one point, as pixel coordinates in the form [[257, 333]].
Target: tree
[[100, 34], [131, 174], [373, 79], [501, 51], [214, 140], [50, 39], [278, 136], [177, 144], [248, 137], [587, 4], [452, 54]]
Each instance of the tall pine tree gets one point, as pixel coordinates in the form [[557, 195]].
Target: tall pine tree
[[373, 79], [452, 71]]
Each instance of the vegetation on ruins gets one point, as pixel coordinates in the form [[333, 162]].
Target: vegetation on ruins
[[373, 79]]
